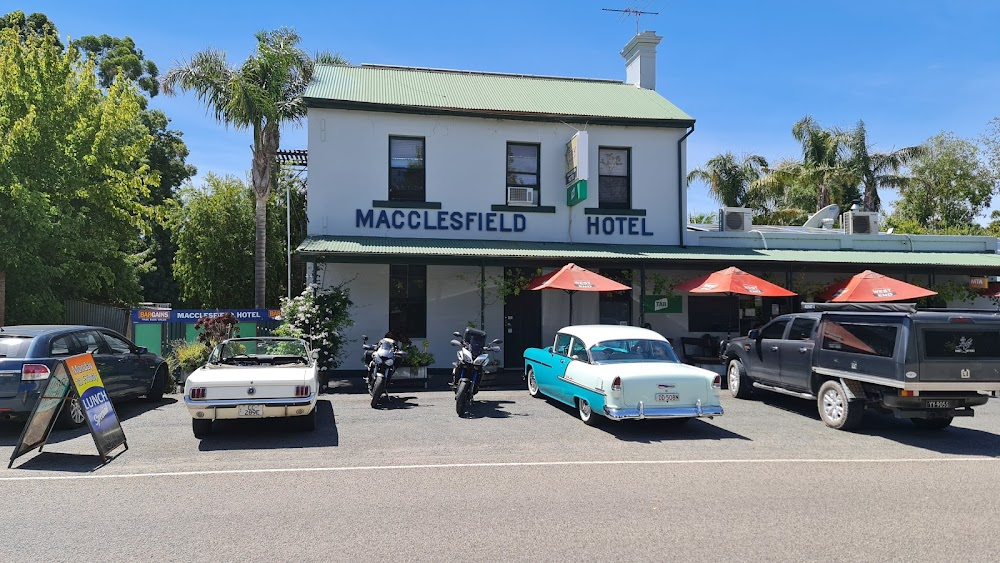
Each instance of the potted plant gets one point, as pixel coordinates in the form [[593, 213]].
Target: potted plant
[[414, 364]]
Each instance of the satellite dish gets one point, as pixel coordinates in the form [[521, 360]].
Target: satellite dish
[[829, 212]]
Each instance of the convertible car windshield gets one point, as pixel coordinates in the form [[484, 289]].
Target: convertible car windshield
[[261, 350], [611, 351]]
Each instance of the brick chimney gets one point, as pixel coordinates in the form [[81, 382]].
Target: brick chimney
[[640, 60]]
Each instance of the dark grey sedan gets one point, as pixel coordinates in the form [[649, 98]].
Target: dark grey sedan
[[29, 353]]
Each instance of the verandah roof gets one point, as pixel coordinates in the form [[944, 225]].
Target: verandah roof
[[362, 249]]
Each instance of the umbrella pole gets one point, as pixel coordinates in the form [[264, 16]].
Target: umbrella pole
[[570, 306]]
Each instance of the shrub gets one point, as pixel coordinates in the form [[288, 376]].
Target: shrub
[[417, 357], [319, 316], [184, 358], [213, 330]]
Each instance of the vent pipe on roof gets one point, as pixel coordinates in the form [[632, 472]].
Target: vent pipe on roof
[[640, 60]]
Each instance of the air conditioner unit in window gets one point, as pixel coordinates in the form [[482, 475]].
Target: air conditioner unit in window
[[520, 196], [860, 223], [735, 219]]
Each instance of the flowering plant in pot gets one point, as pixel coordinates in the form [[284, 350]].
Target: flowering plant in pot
[[418, 357]]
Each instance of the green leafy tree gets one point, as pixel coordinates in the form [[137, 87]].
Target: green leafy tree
[[114, 55], [731, 180], [213, 229], [701, 218], [73, 177], [950, 187], [37, 25], [166, 158], [877, 169], [262, 94]]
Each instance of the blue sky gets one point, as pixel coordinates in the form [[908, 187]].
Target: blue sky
[[746, 71]]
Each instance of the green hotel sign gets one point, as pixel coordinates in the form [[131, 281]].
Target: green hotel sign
[[576, 193], [577, 167]]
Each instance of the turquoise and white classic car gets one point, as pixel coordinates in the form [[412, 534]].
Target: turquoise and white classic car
[[620, 372]]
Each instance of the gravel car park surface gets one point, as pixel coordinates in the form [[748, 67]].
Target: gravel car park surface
[[521, 479]]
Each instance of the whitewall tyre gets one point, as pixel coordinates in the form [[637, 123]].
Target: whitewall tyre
[[532, 383], [586, 412]]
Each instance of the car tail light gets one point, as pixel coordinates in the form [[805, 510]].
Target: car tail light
[[34, 372], [717, 382], [198, 392], [302, 391], [616, 385]]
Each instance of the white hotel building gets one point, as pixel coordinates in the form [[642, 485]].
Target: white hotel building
[[433, 193]]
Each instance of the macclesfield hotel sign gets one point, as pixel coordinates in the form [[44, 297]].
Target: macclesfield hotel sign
[[477, 221]]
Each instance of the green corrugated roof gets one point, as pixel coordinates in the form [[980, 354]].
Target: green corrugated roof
[[488, 93], [359, 249]]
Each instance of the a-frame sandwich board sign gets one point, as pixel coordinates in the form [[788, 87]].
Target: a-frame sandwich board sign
[[76, 376]]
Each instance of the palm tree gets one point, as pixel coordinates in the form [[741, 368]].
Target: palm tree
[[262, 94], [731, 180], [878, 169]]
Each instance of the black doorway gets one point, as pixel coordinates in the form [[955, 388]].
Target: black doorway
[[522, 315]]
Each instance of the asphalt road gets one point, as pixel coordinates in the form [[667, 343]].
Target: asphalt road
[[520, 480]]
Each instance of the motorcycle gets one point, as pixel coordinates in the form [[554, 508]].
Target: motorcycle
[[473, 357], [380, 360]]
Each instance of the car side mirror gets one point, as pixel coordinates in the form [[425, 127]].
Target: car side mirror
[[753, 334], [456, 334], [456, 343], [141, 350]]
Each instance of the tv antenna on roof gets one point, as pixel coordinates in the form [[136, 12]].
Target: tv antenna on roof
[[633, 12]]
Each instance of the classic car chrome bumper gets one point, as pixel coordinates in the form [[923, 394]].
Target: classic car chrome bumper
[[642, 411], [222, 409], [279, 402]]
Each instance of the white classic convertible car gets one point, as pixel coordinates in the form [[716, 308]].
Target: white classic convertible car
[[259, 377], [620, 372]]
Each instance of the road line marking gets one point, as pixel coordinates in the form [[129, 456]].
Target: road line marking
[[496, 465]]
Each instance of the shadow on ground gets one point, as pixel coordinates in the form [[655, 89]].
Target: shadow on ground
[[397, 402], [489, 409], [272, 433], [656, 430], [10, 432], [954, 440]]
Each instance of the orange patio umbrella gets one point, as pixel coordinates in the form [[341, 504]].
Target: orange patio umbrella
[[873, 287], [733, 281], [572, 278]]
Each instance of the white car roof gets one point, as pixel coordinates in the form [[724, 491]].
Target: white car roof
[[592, 334]]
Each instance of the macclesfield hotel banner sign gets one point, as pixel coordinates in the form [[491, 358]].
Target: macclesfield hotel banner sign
[[193, 315]]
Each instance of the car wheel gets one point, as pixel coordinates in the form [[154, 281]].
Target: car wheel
[[586, 413], [739, 383], [72, 415], [532, 383], [159, 385], [462, 397], [377, 389], [932, 423], [307, 423], [201, 427], [836, 410]]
